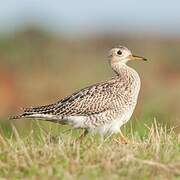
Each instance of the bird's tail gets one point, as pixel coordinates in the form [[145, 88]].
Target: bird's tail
[[19, 116], [36, 112]]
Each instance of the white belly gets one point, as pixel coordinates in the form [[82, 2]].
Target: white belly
[[113, 126], [108, 128]]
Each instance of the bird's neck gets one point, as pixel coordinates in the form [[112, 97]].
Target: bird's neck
[[128, 74], [119, 68]]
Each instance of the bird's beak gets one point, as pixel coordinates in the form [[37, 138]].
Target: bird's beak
[[133, 57]]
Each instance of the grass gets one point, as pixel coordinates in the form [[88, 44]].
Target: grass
[[45, 153]]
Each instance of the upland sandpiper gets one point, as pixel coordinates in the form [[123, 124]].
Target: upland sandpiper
[[103, 107]]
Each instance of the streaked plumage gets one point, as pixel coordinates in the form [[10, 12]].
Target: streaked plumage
[[103, 107]]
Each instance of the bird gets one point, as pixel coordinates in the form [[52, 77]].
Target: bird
[[101, 108]]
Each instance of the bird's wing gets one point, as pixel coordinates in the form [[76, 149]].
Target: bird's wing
[[90, 100]]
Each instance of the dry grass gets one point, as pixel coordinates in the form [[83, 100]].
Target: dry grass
[[47, 155]]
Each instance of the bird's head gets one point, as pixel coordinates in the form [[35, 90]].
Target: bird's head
[[121, 54]]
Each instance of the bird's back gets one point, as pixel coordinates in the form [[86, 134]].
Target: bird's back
[[115, 94]]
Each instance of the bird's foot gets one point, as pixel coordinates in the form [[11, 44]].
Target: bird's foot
[[123, 141], [80, 139]]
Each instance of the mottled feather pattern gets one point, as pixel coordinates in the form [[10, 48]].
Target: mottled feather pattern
[[112, 94], [102, 107], [84, 102]]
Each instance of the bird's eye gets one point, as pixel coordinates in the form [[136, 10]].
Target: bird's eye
[[119, 52]]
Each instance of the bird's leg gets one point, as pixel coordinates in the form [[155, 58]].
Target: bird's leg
[[79, 140], [123, 140]]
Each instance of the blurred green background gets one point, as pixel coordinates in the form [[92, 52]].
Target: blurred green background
[[40, 64]]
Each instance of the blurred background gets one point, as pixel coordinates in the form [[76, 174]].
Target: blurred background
[[49, 49]]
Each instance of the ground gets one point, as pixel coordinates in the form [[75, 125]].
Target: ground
[[50, 152]]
